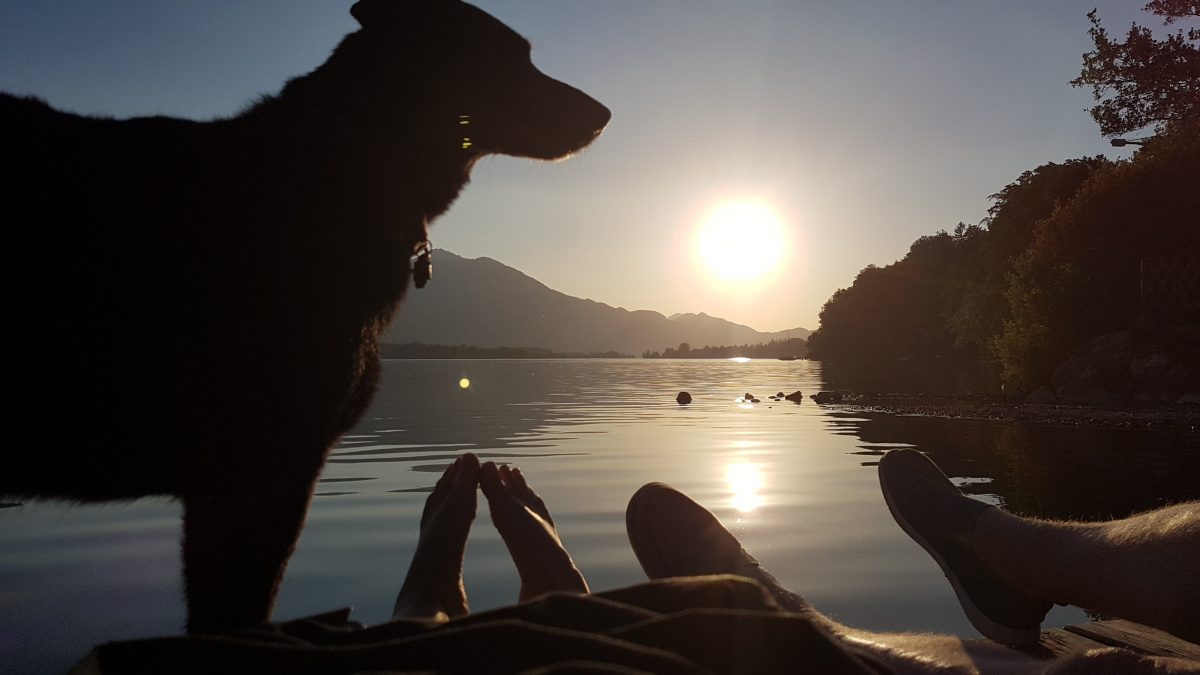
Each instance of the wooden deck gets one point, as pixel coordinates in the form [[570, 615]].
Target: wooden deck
[[1113, 633]]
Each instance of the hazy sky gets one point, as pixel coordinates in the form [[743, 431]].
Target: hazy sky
[[865, 124]]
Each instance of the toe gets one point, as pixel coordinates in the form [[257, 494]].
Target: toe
[[492, 484], [518, 482], [446, 479], [466, 477], [506, 477], [529, 497]]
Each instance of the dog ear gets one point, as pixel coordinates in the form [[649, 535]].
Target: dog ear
[[375, 13]]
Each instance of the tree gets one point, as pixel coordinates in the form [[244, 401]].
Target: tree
[[1081, 278], [892, 312], [1016, 210], [1142, 81], [976, 308]]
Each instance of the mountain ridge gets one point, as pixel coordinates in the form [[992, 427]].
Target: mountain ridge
[[485, 303]]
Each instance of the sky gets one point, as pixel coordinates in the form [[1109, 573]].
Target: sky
[[861, 124]]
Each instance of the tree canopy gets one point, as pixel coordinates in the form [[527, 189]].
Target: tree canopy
[[946, 298], [1062, 257], [1068, 251], [1084, 274], [1143, 81], [791, 347]]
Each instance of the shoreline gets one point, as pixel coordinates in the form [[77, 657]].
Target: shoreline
[[1180, 417]]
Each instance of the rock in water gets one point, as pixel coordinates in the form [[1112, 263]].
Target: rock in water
[[683, 398]]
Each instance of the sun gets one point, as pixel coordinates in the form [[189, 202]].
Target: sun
[[740, 241]]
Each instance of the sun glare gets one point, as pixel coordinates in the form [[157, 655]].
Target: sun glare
[[744, 481], [740, 241]]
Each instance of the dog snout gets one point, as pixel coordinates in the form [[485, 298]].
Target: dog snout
[[600, 115], [566, 119], [584, 110]]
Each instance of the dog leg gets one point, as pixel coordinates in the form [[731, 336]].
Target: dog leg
[[235, 548]]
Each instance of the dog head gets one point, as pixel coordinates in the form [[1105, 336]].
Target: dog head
[[474, 80]]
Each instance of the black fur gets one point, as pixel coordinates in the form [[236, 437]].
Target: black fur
[[194, 308]]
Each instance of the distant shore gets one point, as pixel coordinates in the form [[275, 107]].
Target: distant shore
[[417, 350], [1111, 416]]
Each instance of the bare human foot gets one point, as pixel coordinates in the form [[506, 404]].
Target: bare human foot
[[434, 587], [525, 524]]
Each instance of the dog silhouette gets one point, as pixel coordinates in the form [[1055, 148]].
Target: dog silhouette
[[196, 306]]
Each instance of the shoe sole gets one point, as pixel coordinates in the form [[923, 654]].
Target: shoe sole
[[1013, 637], [634, 515]]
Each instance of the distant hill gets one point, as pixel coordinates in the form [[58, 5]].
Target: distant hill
[[485, 303], [416, 350]]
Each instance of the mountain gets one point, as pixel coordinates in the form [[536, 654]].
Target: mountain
[[485, 303]]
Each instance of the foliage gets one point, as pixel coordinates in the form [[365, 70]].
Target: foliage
[[1059, 260], [1173, 10], [1034, 195], [945, 299], [976, 309], [769, 350], [1082, 275], [418, 350], [891, 312], [1143, 81], [1062, 256]]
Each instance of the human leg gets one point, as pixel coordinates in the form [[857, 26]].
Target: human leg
[[434, 587], [1008, 570], [674, 536], [1141, 568], [524, 523], [939, 517]]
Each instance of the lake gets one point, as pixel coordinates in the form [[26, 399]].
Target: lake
[[796, 483]]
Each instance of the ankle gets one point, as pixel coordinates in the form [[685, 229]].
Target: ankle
[[1007, 545], [416, 606]]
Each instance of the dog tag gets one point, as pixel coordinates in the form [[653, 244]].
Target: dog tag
[[423, 267]]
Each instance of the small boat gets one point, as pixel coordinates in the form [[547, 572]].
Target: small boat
[[787, 358]]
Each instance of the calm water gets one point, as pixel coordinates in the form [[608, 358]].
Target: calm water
[[797, 483]]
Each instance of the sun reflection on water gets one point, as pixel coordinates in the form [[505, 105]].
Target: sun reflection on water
[[745, 480]]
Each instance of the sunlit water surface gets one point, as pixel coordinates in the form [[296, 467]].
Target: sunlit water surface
[[796, 483]]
